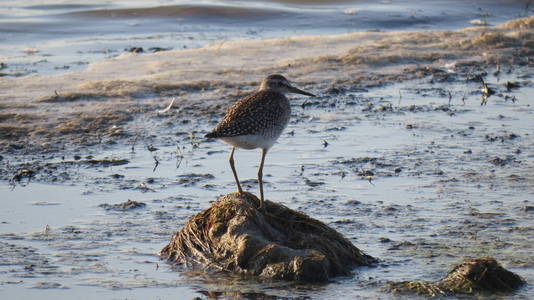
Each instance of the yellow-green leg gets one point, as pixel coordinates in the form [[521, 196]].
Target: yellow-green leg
[[234, 171], [260, 177]]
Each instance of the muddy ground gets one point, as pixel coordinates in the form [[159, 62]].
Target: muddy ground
[[40, 114]]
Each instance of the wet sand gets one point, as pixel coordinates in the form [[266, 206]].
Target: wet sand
[[44, 112], [397, 153]]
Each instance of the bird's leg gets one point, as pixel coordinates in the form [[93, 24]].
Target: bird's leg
[[234, 171], [260, 177]]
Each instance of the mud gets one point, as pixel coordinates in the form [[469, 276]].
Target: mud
[[92, 107]]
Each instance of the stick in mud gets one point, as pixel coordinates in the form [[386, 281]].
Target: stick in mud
[[486, 91], [156, 162], [179, 157], [134, 142]]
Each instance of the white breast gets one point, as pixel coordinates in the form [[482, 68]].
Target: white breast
[[251, 141]]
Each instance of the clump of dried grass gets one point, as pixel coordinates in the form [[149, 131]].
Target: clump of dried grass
[[233, 235], [479, 275]]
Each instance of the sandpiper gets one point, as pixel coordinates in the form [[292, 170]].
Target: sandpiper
[[257, 121]]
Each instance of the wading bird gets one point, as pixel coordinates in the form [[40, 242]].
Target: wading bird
[[257, 121]]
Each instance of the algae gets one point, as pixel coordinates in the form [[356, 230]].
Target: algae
[[233, 235], [479, 275]]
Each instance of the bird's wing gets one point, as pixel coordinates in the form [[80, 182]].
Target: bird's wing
[[249, 115]]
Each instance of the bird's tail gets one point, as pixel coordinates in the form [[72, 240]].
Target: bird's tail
[[211, 135]]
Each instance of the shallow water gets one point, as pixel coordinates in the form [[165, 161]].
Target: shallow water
[[53, 36], [415, 172], [451, 180]]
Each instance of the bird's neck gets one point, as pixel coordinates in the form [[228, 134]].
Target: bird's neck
[[269, 89]]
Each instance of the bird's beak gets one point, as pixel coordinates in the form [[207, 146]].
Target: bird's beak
[[299, 91]]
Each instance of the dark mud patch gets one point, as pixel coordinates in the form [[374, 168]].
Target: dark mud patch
[[49, 285], [36, 134], [70, 97], [41, 170], [12, 132], [501, 137], [193, 179], [105, 162], [501, 162], [125, 206], [25, 261], [366, 167]]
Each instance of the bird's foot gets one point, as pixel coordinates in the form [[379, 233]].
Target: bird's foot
[[262, 205]]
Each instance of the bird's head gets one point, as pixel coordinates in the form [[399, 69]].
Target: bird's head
[[278, 83]]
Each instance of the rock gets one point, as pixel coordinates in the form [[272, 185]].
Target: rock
[[479, 275], [234, 235]]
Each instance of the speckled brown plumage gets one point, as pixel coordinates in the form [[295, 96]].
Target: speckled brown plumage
[[262, 113], [257, 121]]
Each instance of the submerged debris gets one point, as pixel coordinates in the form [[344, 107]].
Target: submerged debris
[[151, 49], [128, 205], [23, 173], [470, 277], [159, 49], [512, 85], [135, 50], [192, 179], [107, 162], [234, 236], [486, 91]]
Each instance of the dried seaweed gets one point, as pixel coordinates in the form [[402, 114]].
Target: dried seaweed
[[479, 275], [234, 235]]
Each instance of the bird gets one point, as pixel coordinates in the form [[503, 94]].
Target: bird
[[257, 121]]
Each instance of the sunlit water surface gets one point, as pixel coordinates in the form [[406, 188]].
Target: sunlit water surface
[[47, 37]]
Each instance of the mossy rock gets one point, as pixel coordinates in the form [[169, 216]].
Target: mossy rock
[[479, 275], [233, 235]]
